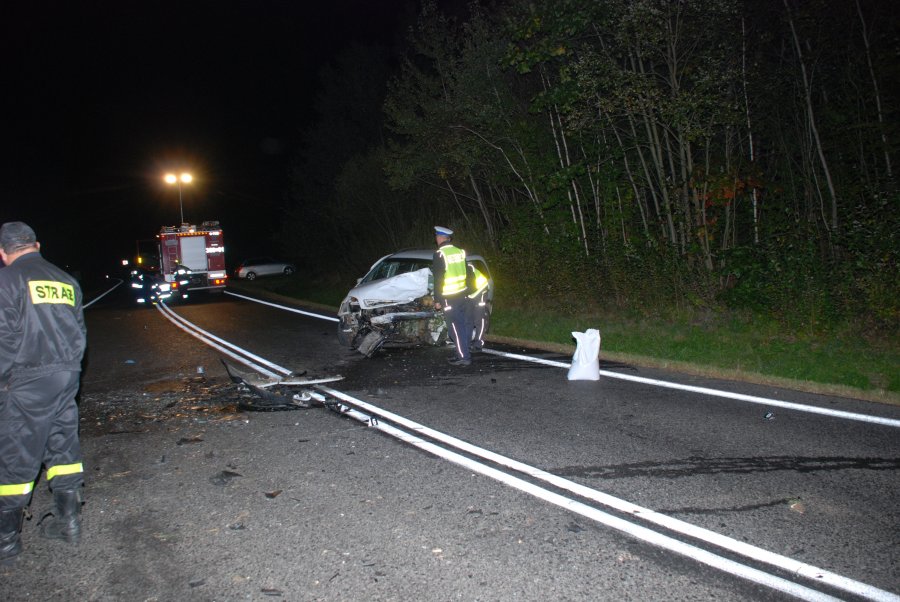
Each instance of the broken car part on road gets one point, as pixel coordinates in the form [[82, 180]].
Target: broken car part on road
[[278, 401]]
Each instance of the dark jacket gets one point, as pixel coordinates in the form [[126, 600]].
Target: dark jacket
[[42, 327]]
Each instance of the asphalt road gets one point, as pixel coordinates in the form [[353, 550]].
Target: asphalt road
[[190, 498]]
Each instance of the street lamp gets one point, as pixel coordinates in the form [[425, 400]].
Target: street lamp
[[185, 178]]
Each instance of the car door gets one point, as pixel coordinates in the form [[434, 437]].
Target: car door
[[267, 266]]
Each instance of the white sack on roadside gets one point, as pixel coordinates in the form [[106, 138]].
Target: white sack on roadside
[[586, 361]]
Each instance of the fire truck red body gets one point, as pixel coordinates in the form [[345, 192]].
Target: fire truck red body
[[199, 249]]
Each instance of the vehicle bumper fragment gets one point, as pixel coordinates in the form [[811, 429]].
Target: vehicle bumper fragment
[[259, 399]]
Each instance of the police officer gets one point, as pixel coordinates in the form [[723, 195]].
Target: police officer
[[450, 292], [42, 341], [477, 286]]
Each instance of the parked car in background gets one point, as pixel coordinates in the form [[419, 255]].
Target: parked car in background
[[393, 304], [251, 269]]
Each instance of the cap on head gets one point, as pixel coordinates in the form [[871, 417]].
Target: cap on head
[[15, 236], [442, 231]]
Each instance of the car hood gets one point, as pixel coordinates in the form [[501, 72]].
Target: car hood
[[402, 288]]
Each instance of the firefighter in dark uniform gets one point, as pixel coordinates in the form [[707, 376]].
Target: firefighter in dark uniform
[[42, 341], [450, 292]]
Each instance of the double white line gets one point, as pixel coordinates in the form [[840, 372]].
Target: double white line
[[261, 365], [353, 409]]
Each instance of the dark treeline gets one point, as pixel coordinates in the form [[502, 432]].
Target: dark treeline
[[640, 153]]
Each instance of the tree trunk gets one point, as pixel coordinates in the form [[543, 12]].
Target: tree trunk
[[753, 194], [811, 116], [884, 140]]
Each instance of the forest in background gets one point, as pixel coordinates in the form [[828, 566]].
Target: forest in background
[[645, 155]]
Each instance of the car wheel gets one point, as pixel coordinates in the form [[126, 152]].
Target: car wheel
[[251, 276], [346, 333], [288, 271]]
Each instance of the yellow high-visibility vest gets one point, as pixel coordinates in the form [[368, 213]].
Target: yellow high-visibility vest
[[454, 270], [481, 283]]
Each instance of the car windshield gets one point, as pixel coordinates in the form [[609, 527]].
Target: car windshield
[[393, 267]]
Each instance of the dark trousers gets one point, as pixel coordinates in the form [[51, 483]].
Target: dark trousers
[[456, 314], [39, 425], [477, 311]]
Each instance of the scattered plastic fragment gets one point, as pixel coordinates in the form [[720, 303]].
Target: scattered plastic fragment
[[769, 416], [130, 362], [223, 478], [574, 527], [273, 494], [797, 505]]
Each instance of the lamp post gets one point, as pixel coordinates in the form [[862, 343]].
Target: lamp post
[[184, 178]]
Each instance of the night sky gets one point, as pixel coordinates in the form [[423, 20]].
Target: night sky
[[103, 98]]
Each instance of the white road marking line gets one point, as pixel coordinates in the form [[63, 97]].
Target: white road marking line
[[892, 422], [97, 298], [213, 341], [285, 307]]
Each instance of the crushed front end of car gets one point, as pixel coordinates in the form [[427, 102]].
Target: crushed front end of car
[[391, 312]]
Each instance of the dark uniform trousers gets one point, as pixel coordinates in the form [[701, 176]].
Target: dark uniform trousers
[[477, 309], [39, 425], [456, 313]]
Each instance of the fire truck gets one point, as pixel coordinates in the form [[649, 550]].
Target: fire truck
[[192, 258]]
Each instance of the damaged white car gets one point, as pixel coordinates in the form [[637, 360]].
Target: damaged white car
[[392, 305]]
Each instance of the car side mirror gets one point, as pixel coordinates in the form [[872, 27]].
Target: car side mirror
[[358, 280]]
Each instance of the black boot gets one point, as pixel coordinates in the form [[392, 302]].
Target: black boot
[[10, 527], [66, 521]]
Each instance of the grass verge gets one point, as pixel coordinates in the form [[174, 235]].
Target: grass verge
[[741, 347]]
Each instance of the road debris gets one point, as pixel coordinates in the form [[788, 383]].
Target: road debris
[[797, 505], [271, 591], [259, 397], [224, 478]]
